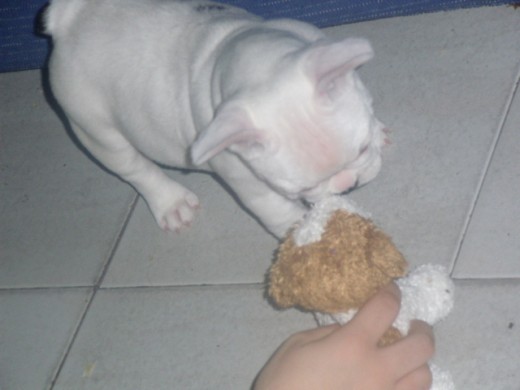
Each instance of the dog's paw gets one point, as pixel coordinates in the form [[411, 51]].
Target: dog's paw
[[173, 207], [180, 213]]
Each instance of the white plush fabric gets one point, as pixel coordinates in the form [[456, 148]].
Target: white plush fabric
[[427, 292], [311, 229]]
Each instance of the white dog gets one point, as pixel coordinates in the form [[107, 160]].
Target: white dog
[[273, 107]]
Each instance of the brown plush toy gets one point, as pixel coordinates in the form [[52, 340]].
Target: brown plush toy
[[348, 264], [337, 258]]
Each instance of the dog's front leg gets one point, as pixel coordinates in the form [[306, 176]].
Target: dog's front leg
[[171, 204], [274, 211]]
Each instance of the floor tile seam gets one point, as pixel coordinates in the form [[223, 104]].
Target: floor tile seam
[[92, 295], [128, 287], [70, 341], [117, 241], [45, 288], [486, 279], [485, 169], [206, 286], [202, 286]]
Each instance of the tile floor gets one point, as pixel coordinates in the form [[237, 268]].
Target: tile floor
[[94, 296]]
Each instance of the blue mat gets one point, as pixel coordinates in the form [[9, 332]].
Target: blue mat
[[21, 48]]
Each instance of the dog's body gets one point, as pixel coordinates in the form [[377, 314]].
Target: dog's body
[[272, 107]]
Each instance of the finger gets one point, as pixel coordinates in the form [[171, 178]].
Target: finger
[[378, 314], [413, 351], [417, 379], [311, 335]]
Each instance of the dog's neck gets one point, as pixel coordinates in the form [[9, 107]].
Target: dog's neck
[[256, 50]]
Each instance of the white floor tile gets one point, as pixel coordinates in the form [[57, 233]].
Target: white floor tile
[[440, 83], [59, 212], [215, 337], [224, 244], [479, 341], [35, 328], [491, 247]]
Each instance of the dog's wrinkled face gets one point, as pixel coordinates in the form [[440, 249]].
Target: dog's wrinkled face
[[310, 131], [328, 147]]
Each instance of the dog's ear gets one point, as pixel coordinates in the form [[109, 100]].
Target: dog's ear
[[231, 128], [326, 63]]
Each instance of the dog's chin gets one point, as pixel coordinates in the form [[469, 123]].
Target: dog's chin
[[309, 201], [325, 190], [314, 195]]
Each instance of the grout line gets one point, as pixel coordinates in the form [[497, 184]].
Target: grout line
[[480, 279], [44, 288], [186, 286], [485, 170], [70, 342], [117, 241], [137, 286], [93, 293]]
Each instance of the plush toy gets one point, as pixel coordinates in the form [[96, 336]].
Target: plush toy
[[337, 258]]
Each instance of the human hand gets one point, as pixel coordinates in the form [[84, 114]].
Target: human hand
[[348, 357]]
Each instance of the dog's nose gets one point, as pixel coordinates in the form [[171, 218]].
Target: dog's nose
[[342, 181], [354, 186]]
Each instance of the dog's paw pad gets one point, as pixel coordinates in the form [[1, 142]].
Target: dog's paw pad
[[180, 214]]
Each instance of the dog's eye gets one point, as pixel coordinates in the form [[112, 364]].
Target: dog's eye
[[364, 149]]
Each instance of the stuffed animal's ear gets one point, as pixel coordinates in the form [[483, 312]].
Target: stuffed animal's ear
[[231, 128], [327, 62]]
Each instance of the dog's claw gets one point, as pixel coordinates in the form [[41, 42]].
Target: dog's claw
[[180, 214]]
